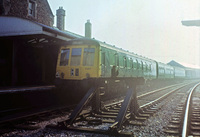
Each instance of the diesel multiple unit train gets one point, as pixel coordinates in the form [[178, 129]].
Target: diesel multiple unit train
[[83, 61]]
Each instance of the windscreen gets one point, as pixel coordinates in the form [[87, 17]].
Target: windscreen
[[64, 59]]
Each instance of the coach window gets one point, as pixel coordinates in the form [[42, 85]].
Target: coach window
[[146, 68], [116, 59], [103, 58], [128, 62], [64, 58], [141, 65], [121, 61], [125, 62], [150, 67], [131, 63], [135, 64], [113, 61], [76, 57], [88, 57]]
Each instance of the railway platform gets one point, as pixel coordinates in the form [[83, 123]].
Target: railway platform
[[13, 99]]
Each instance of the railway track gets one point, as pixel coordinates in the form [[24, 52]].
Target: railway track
[[104, 121], [112, 118], [186, 121], [29, 118]]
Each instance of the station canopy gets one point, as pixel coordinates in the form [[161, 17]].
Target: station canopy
[[191, 23], [32, 32]]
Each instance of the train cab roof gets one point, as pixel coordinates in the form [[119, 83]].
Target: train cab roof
[[83, 41]]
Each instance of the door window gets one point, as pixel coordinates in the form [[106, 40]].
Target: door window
[[88, 57], [76, 57]]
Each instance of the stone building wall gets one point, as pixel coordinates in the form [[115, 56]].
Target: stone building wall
[[44, 10], [20, 8]]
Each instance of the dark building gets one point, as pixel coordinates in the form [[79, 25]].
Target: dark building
[[21, 63], [28, 51], [176, 64], [35, 10], [29, 43]]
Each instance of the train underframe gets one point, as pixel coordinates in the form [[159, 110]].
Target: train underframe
[[72, 91]]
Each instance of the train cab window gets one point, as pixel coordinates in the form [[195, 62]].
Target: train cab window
[[64, 58], [88, 57], [76, 57]]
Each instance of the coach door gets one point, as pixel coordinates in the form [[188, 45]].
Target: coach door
[[89, 67], [103, 63], [75, 63]]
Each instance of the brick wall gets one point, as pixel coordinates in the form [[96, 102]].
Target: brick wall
[[44, 10], [19, 8]]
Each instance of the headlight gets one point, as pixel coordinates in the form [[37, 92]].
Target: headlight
[[62, 75], [57, 75]]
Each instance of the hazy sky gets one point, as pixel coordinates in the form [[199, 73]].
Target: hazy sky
[[151, 28]]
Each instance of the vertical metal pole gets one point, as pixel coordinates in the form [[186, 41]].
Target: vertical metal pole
[[14, 63], [43, 65]]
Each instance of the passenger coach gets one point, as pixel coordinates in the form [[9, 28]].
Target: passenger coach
[[85, 59]]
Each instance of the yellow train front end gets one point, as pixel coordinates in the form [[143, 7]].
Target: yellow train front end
[[77, 62], [77, 67]]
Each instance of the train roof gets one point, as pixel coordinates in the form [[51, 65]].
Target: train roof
[[81, 41], [163, 64]]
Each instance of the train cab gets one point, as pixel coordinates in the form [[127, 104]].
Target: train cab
[[77, 62]]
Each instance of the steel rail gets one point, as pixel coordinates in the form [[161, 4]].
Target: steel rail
[[185, 122], [148, 93], [163, 96], [157, 90], [30, 113]]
